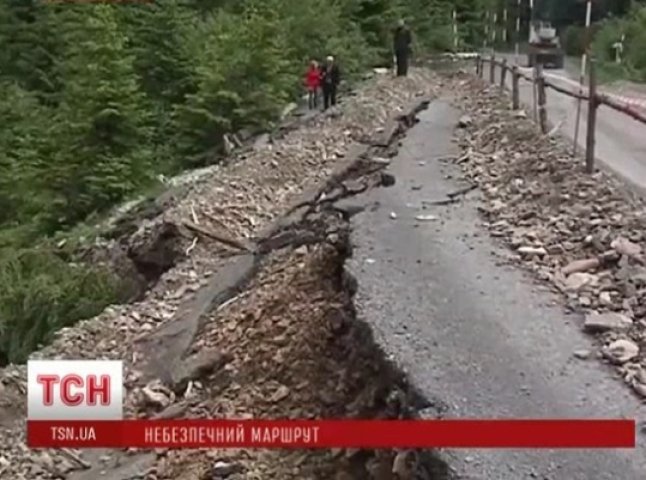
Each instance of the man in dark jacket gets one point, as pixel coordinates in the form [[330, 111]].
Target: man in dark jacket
[[330, 78], [402, 40]]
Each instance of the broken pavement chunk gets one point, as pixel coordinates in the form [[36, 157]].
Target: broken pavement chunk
[[577, 281], [621, 351], [465, 121], [529, 251], [626, 247], [603, 322], [578, 266]]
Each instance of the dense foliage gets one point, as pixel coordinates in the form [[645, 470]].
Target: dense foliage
[[97, 100], [632, 28], [611, 20]]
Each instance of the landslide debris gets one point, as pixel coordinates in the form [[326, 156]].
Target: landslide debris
[[296, 351], [582, 234], [285, 345]]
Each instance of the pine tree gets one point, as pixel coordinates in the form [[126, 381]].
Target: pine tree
[[243, 79], [22, 158], [100, 124], [156, 36], [29, 40]]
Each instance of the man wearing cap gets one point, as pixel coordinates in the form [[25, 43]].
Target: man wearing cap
[[330, 77], [402, 40]]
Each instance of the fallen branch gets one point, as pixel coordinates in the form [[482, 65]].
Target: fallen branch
[[578, 266], [196, 221], [452, 196], [461, 191], [585, 265], [460, 160], [75, 458], [446, 201], [215, 220], [191, 247], [220, 237], [323, 199]]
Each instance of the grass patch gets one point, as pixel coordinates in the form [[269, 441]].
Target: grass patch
[[41, 293]]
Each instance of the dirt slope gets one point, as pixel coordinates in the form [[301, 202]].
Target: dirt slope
[[284, 346]]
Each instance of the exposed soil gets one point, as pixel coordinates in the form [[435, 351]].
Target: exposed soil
[[297, 351], [252, 314]]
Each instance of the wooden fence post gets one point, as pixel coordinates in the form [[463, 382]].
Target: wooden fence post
[[542, 98], [492, 70], [515, 94], [503, 74], [593, 104], [534, 88]]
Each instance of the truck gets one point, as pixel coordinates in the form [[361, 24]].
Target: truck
[[544, 46]]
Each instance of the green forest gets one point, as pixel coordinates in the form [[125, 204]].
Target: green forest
[[97, 100]]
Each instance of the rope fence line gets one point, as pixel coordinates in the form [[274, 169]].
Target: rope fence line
[[541, 81]]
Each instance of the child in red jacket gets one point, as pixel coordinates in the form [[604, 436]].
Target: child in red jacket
[[313, 83]]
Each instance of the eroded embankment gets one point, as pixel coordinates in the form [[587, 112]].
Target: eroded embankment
[[295, 349], [271, 334], [291, 346]]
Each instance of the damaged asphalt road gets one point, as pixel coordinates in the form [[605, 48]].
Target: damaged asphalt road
[[478, 339]]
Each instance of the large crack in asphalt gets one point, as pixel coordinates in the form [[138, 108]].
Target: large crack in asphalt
[[166, 348], [340, 364]]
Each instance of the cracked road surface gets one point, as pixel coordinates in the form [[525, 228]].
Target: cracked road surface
[[479, 340]]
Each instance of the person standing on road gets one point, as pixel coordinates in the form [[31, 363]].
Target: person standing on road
[[402, 40], [313, 83], [330, 78]]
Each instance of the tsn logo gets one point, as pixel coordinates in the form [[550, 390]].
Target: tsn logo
[[74, 390]]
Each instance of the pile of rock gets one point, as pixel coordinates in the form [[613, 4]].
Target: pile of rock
[[583, 234]]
